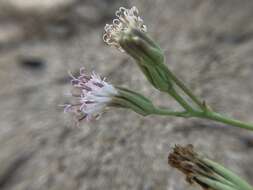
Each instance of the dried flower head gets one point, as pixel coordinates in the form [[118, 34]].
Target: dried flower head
[[200, 170], [91, 96], [127, 19]]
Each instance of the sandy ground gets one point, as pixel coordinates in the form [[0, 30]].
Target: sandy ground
[[207, 43]]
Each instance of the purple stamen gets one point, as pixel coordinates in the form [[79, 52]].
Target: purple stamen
[[89, 102], [100, 85], [87, 105], [83, 117], [87, 88]]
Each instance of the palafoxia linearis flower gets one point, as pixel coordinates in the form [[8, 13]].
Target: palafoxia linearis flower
[[128, 34], [127, 19], [91, 95]]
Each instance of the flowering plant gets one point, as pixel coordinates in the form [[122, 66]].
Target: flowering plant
[[129, 35], [92, 95]]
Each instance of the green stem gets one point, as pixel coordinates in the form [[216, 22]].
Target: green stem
[[216, 185], [223, 119], [186, 90], [227, 174], [162, 111], [180, 100], [206, 115]]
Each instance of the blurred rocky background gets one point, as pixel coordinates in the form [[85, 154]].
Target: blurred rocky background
[[209, 44]]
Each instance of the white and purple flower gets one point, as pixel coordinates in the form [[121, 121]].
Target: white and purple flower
[[92, 94], [127, 19]]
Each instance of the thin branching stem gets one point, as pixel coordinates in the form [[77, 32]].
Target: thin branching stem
[[205, 115], [186, 90]]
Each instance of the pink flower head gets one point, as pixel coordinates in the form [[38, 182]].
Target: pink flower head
[[127, 19], [91, 96]]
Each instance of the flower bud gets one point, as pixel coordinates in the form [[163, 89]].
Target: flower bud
[[128, 34], [149, 58], [132, 100]]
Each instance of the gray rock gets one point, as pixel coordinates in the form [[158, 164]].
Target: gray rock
[[207, 43]]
